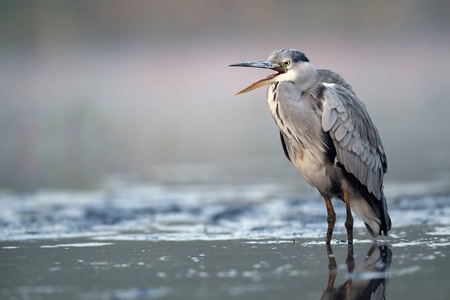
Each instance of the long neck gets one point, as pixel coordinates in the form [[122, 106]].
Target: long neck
[[306, 77]]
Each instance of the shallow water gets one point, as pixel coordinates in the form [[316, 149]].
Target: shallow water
[[212, 242]]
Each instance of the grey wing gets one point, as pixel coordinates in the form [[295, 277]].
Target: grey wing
[[357, 142]]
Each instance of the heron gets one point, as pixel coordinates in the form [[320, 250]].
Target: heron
[[328, 135]]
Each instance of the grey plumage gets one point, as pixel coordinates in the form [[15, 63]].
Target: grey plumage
[[327, 134], [347, 121]]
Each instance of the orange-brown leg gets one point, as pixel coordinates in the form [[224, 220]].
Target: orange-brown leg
[[350, 267], [331, 218], [349, 219], [332, 268]]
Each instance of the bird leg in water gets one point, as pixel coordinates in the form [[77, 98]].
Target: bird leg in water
[[349, 220], [332, 269], [350, 267], [331, 219], [346, 291]]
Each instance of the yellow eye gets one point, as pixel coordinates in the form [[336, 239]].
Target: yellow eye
[[286, 63]]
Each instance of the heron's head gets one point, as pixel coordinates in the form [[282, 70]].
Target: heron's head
[[290, 65]]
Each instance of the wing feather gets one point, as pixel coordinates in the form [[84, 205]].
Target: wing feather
[[346, 139], [340, 132], [329, 119], [356, 139]]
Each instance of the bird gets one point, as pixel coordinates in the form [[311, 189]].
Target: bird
[[328, 135]]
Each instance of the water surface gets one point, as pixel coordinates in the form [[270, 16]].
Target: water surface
[[211, 242]]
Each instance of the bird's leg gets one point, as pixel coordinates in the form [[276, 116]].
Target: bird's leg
[[331, 219], [350, 267], [350, 258], [332, 268], [349, 220]]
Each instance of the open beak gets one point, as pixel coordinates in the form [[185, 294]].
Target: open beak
[[265, 81]]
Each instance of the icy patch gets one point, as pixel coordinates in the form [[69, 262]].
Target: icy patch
[[336, 242], [271, 242], [23, 236], [428, 210], [440, 231], [198, 212], [192, 213], [407, 244], [77, 245], [433, 243], [439, 244]]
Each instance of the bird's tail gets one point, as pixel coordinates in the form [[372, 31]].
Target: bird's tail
[[367, 214], [386, 220], [375, 216]]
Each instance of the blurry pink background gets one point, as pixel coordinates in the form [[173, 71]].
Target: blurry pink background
[[142, 89]]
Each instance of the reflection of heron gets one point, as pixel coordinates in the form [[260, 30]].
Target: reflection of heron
[[368, 281], [328, 135]]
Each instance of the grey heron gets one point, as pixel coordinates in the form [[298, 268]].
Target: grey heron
[[328, 136]]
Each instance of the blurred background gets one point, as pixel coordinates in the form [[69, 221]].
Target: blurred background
[[141, 90]]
